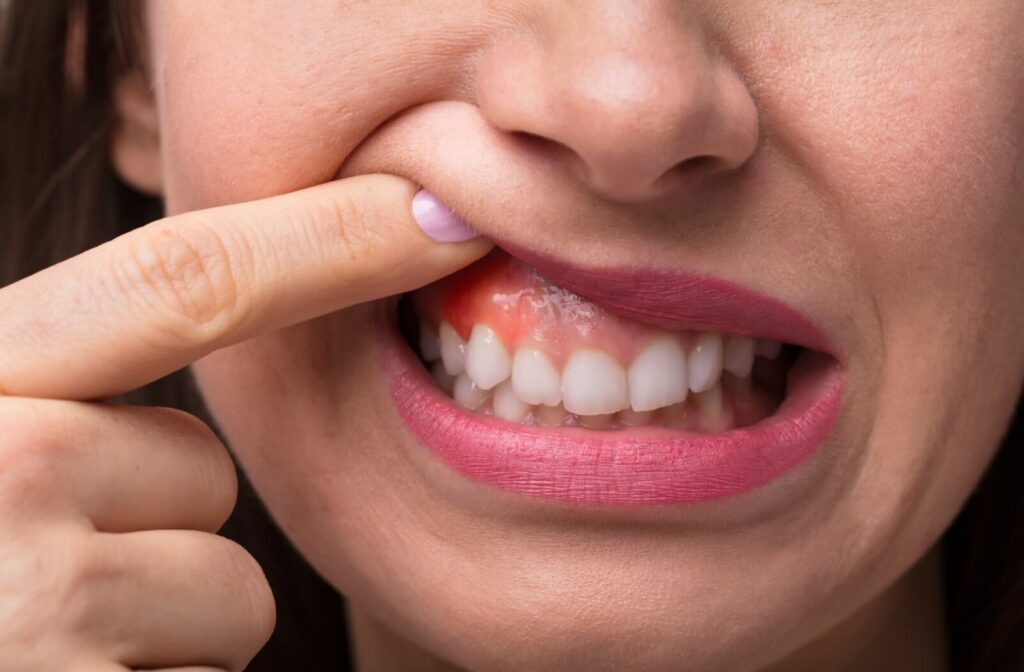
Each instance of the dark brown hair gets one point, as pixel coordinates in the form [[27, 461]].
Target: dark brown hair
[[59, 196]]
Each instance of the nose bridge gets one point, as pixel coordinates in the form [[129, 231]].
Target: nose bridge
[[628, 93]]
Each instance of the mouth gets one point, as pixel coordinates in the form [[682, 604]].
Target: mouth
[[609, 387]]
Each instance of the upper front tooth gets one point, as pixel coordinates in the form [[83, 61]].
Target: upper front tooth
[[768, 349], [657, 376], [593, 383], [453, 349], [534, 378], [487, 360], [705, 362], [739, 355]]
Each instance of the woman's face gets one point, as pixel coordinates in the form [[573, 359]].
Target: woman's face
[[860, 162]]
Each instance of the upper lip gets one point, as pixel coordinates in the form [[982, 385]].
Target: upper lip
[[678, 299], [503, 178]]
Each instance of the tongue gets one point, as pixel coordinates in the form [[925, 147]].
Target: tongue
[[525, 309]]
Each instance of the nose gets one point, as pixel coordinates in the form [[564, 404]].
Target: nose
[[626, 93]]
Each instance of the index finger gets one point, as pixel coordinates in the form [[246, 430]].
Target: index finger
[[156, 299]]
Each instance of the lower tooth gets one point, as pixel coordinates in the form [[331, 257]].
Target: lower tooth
[[715, 412], [676, 416], [444, 380], [550, 416], [710, 401], [507, 405], [467, 394], [597, 421], [634, 418], [737, 386]]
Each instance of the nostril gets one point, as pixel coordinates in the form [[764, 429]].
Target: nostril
[[695, 164], [691, 168], [535, 142]]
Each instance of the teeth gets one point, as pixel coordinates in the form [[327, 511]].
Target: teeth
[[550, 416], [768, 349], [707, 390], [739, 355], [430, 345], [487, 360], [534, 378], [710, 401], [676, 415], [507, 405], [705, 362], [442, 378], [715, 415], [633, 418], [737, 386], [453, 350], [657, 376], [467, 393], [593, 383], [597, 421]]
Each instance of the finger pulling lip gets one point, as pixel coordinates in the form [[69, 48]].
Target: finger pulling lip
[[636, 466]]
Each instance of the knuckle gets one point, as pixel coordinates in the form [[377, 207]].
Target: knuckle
[[187, 274], [347, 227], [49, 584], [32, 453], [75, 577]]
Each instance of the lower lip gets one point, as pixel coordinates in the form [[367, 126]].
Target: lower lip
[[635, 466]]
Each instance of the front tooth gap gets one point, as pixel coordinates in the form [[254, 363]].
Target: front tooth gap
[[487, 360]]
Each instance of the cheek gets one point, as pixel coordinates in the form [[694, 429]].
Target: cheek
[[917, 155], [916, 137], [247, 112]]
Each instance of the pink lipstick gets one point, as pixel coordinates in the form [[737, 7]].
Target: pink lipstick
[[660, 463]]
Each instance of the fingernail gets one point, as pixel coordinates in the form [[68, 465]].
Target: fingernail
[[439, 222]]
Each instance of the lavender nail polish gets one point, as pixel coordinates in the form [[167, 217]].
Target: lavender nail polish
[[439, 222]]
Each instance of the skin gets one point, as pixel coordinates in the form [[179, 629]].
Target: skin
[[866, 155]]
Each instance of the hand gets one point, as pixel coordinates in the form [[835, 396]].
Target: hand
[[107, 513]]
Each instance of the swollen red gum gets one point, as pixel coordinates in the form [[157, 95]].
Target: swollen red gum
[[525, 309]]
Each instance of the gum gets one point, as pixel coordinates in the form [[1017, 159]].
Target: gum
[[524, 309]]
